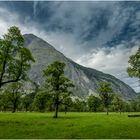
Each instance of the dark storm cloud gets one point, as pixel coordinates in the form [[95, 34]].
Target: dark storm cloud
[[85, 20], [23, 8], [91, 33], [93, 23]]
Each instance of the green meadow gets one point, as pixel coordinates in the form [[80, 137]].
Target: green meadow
[[68, 126]]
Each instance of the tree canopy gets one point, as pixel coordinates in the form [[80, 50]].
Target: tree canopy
[[93, 103], [59, 85], [134, 62], [15, 59], [105, 91]]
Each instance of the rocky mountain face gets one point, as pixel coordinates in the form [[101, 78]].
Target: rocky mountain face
[[86, 80]]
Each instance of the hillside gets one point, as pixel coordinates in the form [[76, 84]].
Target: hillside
[[85, 79]]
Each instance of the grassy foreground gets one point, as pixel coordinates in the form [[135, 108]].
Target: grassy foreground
[[71, 125]]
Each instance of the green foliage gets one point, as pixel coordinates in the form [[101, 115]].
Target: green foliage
[[79, 105], [58, 85], [105, 91], [40, 101], [94, 103], [118, 103], [26, 102], [66, 106], [14, 91], [134, 68], [135, 104], [138, 103], [4, 102], [15, 60]]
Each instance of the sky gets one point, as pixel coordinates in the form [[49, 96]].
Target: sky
[[97, 34]]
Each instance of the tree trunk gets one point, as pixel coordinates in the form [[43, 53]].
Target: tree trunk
[[120, 112], [14, 106], [66, 109], [95, 110], [14, 109], [4, 109], [107, 111], [26, 108], [56, 111]]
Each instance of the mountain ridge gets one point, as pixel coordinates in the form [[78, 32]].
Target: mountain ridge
[[85, 79]]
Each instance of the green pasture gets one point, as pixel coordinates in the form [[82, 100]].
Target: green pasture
[[69, 126]]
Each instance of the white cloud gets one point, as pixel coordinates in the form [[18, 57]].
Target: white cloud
[[90, 54], [113, 61], [6, 20]]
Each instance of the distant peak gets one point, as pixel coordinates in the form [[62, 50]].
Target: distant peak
[[30, 36]]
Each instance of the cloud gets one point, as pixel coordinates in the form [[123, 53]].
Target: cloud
[[111, 60], [94, 34], [6, 20], [108, 58], [35, 4]]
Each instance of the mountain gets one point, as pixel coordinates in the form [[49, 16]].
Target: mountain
[[86, 80]]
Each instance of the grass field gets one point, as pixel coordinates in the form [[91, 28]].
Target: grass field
[[71, 125]]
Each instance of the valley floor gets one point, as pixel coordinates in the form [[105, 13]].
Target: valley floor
[[70, 125]]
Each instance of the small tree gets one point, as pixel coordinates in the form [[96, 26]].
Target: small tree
[[127, 107], [26, 102], [40, 101], [14, 93], [118, 103], [105, 91], [4, 102], [93, 103], [135, 104], [58, 84], [79, 105], [67, 104], [138, 103], [15, 60]]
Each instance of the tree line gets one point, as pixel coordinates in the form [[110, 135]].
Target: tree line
[[42, 102], [56, 93]]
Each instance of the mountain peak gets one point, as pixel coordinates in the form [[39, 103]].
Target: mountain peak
[[86, 80], [31, 38], [30, 35]]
